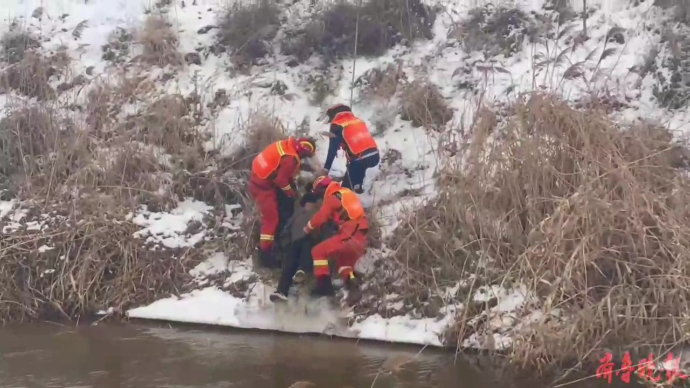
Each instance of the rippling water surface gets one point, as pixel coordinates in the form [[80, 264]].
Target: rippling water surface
[[110, 356]]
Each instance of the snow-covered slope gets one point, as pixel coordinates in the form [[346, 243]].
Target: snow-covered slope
[[396, 185]]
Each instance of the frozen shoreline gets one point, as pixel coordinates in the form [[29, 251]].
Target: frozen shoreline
[[403, 180]]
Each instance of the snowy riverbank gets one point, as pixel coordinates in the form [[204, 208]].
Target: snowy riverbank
[[532, 52]]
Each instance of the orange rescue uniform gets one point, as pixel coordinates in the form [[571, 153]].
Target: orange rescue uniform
[[275, 168], [356, 136], [349, 244]]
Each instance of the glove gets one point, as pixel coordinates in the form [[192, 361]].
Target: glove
[[308, 229], [289, 192]]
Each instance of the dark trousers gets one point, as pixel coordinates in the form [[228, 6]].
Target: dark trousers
[[286, 208], [357, 169], [299, 258]]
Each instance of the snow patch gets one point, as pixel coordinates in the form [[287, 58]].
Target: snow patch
[[169, 229]]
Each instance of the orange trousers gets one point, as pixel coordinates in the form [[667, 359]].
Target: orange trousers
[[266, 199], [345, 249]]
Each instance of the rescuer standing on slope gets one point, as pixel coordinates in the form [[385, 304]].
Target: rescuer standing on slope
[[349, 244], [272, 184], [351, 134]]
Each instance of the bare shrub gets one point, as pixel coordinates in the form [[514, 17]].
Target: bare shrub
[[495, 30], [117, 48], [105, 100], [169, 122], [562, 8], [15, 43], [670, 89], [159, 42], [381, 82], [259, 132], [246, 29], [595, 220], [423, 105], [380, 25], [30, 77]]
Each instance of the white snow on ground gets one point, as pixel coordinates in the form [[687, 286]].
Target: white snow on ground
[[167, 228], [440, 59], [6, 207], [216, 307], [254, 310]]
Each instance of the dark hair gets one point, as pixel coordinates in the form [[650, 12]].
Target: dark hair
[[334, 110], [309, 197]]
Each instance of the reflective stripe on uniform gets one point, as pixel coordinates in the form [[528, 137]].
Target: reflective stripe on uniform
[[286, 188], [349, 122], [320, 263], [281, 152], [266, 237]]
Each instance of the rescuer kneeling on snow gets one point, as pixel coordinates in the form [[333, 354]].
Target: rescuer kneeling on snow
[[351, 134], [349, 244], [272, 186]]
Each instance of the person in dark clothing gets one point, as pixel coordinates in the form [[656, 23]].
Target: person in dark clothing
[[298, 263], [351, 134]]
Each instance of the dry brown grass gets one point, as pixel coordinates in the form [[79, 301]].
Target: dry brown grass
[[159, 42], [103, 165], [423, 105], [378, 26], [15, 44], [31, 76], [381, 82], [595, 220], [260, 131], [95, 263], [246, 30]]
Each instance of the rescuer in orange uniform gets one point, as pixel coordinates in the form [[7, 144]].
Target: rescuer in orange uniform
[[349, 244], [272, 184], [351, 134]]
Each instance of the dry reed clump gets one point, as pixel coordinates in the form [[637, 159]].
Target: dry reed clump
[[381, 82], [82, 262], [170, 122], [103, 172], [423, 105], [30, 76], [159, 42], [247, 29], [374, 25], [593, 219], [15, 44], [37, 142], [259, 132], [496, 30]]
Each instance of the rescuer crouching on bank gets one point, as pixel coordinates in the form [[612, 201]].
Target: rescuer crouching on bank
[[347, 246], [273, 188], [351, 134]]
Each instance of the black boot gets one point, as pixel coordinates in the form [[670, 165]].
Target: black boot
[[324, 287], [268, 260]]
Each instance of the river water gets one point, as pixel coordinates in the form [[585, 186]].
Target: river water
[[114, 356]]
